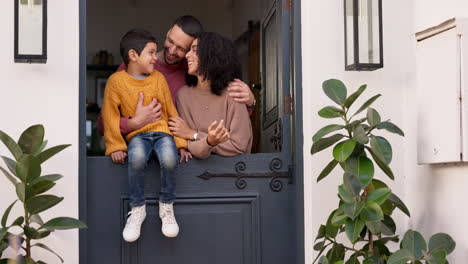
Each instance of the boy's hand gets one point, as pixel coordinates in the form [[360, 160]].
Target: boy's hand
[[217, 134], [145, 114], [119, 157], [179, 128], [240, 92], [184, 154]]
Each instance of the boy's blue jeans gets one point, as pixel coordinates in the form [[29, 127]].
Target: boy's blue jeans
[[140, 149]]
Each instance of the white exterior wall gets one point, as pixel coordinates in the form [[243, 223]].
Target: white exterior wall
[[46, 94], [323, 58], [434, 194]]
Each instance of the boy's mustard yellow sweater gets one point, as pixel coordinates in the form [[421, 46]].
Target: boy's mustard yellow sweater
[[120, 99]]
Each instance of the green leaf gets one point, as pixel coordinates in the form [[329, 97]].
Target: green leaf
[[402, 256], [6, 214], [379, 196], [367, 104], [48, 249], [442, 241], [319, 246], [387, 239], [360, 135], [350, 100], [49, 177], [21, 191], [330, 112], [399, 204], [324, 143], [3, 246], [362, 168], [330, 230], [351, 184], [336, 253], [354, 228], [63, 223], [329, 168], [3, 232], [343, 150], [373, 117], [42, 187], [43, 234], [415, 243], [35, 218], [30, 232], [9, 176], [41, 148], [325, 130], [372, 212], [436, 257], [50, 152], [382, 165], [321, 232], [18, 222], [11, 145], [339, 217], [28, 168], [390, 127], [381, 148], [374, 226], [335, 90], [31, 139], [345, 195], [352, 210], [41, 203], [388, 226], [11, 164], [323, 260], [353, 259]]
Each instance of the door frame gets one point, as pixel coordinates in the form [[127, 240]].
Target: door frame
[[297, 127]]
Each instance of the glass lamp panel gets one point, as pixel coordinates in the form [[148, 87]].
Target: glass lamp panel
[[349, 32], [30, 15], [368, 23]]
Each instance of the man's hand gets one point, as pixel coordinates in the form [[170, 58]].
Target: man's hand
[[119, 157], [179, 128], [145, 114], [184, 155], [240, 92], [217, 133]]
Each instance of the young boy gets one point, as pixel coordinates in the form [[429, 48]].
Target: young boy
[[138, 49]]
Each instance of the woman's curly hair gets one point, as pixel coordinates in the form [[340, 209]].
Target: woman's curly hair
[[217, 62]]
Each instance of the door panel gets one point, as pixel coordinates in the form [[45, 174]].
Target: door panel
[[230, 210]]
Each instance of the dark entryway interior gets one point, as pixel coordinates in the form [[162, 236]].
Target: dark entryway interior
[[108, 20]]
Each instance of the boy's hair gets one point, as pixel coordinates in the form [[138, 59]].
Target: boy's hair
[[189, 25], [217, 62], [135, 39]]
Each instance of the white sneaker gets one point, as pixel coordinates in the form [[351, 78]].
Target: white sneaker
[[132, 229], [169, 224]]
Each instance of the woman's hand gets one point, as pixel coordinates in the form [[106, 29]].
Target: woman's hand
[[241, 92], [119, 157], [184, 154], [180, 128], [145, 114], [217, 133]]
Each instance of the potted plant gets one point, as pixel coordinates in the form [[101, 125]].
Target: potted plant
[[24, 172], [365, 206]]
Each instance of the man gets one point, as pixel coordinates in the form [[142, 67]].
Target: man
[[173, 65]]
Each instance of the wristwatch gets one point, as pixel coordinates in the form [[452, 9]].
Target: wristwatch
[[195, 136], [252, 106]]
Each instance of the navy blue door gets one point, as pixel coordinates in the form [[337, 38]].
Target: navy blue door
[[239, 210]]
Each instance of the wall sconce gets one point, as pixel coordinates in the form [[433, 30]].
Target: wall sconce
[[31, 31], [363, 35]]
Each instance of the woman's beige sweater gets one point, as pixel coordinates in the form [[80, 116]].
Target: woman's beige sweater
[[199, 108]]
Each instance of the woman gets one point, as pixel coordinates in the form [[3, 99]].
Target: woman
[[217, 124]]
